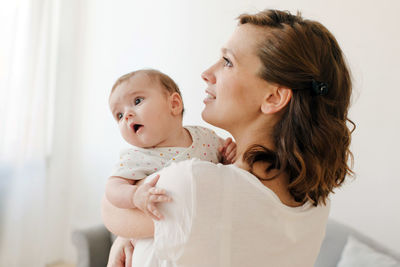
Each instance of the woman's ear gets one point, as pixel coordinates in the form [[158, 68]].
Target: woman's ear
[[176, 104], [276, 99]]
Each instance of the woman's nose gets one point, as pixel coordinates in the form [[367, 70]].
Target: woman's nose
[[208, 76]]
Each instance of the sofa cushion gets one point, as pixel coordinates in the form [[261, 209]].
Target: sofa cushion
[[335, 241], [358, 254]]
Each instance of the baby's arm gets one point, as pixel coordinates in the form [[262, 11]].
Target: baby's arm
[[126, 194], [227, 150], [120, 192]]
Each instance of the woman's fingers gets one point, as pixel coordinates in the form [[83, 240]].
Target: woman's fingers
[[119, 252], [128, 250]]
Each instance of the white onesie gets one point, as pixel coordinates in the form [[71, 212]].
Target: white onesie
[[137, 163]]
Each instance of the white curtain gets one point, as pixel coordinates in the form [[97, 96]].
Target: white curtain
[[28, 48]]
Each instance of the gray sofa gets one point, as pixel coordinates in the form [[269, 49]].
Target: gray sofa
[[93, 245]]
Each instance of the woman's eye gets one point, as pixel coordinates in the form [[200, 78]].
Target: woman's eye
[[119, 116], [227, 62], [138, 100]]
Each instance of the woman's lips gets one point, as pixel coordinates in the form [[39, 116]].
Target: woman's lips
[[209, 98]]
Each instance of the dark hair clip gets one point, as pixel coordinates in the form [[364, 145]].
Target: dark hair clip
[[319, 88]]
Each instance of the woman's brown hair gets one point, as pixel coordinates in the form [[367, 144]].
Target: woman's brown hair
[[312, 139]]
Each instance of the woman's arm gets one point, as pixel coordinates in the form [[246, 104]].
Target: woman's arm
[[128, 223]]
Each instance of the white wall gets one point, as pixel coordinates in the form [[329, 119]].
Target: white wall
[[182, 38]]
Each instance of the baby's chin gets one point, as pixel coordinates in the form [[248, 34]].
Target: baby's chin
[[139, 143], [143, 143]]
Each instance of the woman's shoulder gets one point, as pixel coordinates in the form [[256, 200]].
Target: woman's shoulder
[[200, 169], [238, 180], [195, 169], [191, 164]]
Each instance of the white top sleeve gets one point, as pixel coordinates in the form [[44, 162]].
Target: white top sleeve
[[135, 164], [172, 232]]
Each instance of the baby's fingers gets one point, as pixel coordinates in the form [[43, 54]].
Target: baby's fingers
[[159, 198], [230, 148], [227, 142], [153, 212], [222, 148], [231, 157], [157, 191], [154, 180]]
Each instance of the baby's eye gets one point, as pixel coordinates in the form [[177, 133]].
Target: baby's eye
[[138, 100], [227, 62], [119, 116]]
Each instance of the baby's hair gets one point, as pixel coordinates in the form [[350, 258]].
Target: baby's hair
[[156, 76]]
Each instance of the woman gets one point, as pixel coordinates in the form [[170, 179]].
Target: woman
[[282, 89]]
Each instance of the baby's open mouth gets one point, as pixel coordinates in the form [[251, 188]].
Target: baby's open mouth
[[136, 127]]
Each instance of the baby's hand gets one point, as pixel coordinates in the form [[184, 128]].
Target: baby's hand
[[228, 151], [147, 196]]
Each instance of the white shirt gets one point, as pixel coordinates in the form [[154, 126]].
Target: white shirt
[[224, 216], [137, 163]]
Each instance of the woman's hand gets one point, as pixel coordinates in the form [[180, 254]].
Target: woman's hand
[[147, 196], [228, 151], [121, 253]]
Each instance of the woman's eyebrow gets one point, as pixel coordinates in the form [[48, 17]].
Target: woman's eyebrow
[[225, 50]]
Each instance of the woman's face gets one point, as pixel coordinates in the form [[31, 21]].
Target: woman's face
[[234, 89]]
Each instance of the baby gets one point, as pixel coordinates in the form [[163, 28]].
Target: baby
[[148, 108]]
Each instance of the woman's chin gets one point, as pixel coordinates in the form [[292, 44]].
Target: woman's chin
[[206, 116], [210, 117]]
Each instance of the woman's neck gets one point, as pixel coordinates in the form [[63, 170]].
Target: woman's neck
[[246, 138], [279, 184]]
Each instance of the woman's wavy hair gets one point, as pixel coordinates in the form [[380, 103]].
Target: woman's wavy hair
[[312, 139]]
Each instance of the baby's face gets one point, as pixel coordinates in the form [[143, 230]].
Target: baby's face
[[142, 110]]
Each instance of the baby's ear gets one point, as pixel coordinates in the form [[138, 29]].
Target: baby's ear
[[176, 104]]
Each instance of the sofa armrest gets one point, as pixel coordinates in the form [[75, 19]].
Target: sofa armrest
[[93, 246]]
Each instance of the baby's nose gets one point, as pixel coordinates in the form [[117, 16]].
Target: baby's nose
[[129, 115]]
